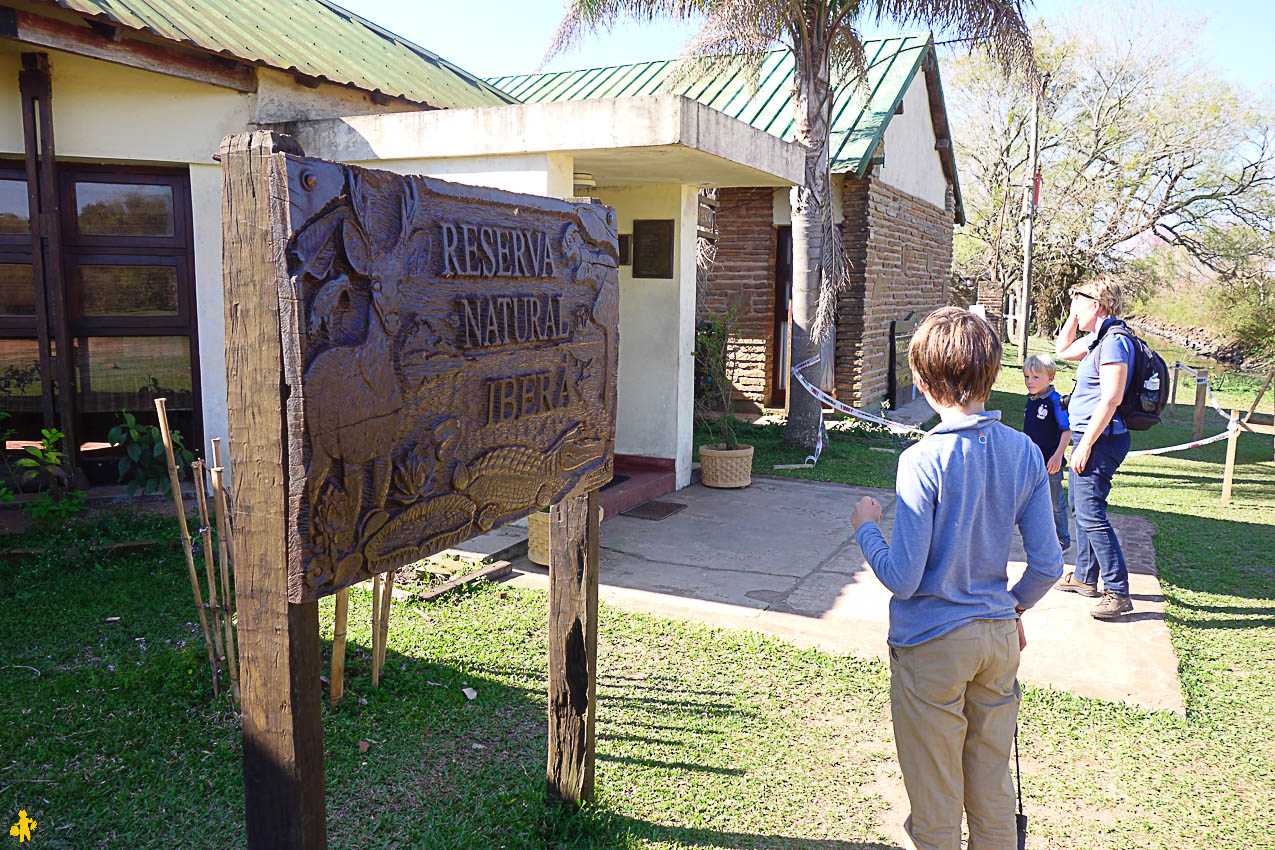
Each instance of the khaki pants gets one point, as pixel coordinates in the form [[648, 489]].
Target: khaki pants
[[954, 702]]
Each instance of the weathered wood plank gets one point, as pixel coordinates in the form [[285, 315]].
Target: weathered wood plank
[[573, 646], [489, 573], [32, 28], [278, 641]]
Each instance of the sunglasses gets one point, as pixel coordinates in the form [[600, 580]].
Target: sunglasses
[[1076, 293]]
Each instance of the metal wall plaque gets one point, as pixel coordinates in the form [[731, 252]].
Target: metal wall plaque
[[653, 248], [450, 363]]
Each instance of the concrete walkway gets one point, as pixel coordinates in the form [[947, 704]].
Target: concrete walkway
[[780, 557]]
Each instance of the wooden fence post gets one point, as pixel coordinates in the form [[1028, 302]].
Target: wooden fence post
[[573, 646], [284, 804], [1173, 396], [1228, 474], [1201, 399]]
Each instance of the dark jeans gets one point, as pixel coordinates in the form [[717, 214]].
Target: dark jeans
[[1062, 517], [1097, 548]]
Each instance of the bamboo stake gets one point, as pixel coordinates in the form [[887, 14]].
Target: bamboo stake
[[162, 409], [376, 626], [378, 659], [223, 556], [337, 687], [205, 533]]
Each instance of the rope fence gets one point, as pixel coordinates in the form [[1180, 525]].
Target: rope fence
[[1203, 391]]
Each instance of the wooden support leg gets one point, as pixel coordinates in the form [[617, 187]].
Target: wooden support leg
[[573, 646], [1228, 474], [284, 804], [336, 688]]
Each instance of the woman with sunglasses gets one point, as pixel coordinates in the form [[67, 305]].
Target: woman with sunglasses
[[1100, 440]]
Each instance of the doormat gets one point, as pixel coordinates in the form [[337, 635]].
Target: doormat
[[615, 479], [655, 510]]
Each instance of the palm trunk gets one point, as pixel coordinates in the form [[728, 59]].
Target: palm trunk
[[812, 105]]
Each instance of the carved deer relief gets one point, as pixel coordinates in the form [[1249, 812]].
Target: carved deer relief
[[354, 403]]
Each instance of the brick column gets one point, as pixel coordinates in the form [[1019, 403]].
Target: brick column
[[744, 275]]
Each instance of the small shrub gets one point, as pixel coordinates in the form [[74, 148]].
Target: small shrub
[[713, 360], [46, 460], [144, 467]]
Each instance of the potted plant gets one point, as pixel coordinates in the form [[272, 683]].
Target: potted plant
[[725, 462]]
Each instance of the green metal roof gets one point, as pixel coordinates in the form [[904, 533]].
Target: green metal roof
[[859, 113], [311, 37]]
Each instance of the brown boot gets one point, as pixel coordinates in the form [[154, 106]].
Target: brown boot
[[1070, 585], [1112, 606]]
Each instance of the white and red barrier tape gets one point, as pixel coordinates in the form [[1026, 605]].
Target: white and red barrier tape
[[895, 427]]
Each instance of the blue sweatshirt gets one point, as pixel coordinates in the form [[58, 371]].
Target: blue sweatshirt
[[961, 490]]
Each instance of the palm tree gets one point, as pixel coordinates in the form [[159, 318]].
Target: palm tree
[[824, 38]]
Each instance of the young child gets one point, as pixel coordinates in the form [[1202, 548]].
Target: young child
[[955, 635], [1046, 423]]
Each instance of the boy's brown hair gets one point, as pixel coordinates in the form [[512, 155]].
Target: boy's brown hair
[[956, 355]]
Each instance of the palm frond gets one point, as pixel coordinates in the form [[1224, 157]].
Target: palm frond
[[586, 16], [1000, 26], [735, 38]]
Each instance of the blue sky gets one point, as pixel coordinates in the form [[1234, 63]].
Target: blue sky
[[494, 37]]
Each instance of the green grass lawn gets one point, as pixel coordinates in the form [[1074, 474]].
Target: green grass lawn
[[706, 738]]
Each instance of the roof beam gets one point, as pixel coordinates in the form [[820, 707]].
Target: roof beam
[[29, 28]]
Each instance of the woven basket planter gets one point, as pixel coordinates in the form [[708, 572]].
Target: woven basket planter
[[538, 536], [722, 467]]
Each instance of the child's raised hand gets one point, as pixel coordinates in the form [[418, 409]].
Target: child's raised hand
[[866, 509]]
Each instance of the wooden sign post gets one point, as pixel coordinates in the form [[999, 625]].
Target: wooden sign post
[[410, 363]]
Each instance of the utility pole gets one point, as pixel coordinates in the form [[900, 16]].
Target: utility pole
[[1031, 195]]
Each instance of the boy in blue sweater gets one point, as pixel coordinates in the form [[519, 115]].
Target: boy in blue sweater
[[955, 633], [1046, 423]]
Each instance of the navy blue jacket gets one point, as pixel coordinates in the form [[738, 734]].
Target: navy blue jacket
[[1045, 420]]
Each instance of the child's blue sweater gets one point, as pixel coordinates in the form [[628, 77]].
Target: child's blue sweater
[[961, 491]]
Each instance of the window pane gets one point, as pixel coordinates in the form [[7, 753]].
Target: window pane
[[119, 290], [124, 209], [19, 374], [14, 217], [129, 373], [20, 391], [17, 289]]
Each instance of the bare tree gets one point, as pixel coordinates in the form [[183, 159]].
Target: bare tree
[[1141, 144], [825, 41]]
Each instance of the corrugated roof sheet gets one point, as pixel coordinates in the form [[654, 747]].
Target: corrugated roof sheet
[[859, 113], [311, 37]]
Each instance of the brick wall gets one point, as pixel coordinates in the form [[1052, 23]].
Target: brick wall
[[744, 275], [899, 249], [991, 295]]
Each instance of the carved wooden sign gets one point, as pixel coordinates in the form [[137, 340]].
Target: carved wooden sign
[[449, 358]]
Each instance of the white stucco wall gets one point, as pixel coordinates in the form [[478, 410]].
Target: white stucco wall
[[548, 174], [104, 112], [205, 199], [912, 164], [657, 333]]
